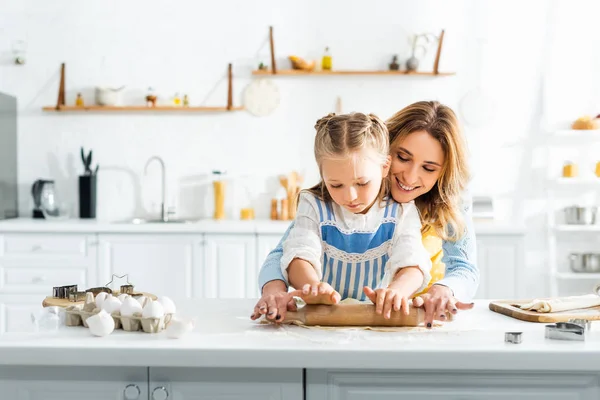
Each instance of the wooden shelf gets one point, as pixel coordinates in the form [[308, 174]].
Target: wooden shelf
[[274, 71], [139, 108], [62, 107], [297, 72], [577, 228], [578, 275], [588, 181]]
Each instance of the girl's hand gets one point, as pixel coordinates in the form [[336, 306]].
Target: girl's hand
[[318, 293], [274, 302], [387, 299], [437, 302]]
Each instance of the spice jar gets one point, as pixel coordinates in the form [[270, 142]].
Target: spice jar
[[570, 170], [598, 169]]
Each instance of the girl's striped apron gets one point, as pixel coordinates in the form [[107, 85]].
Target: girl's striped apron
[[354, 259]]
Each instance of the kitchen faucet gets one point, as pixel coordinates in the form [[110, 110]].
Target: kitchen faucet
[[163, 215]]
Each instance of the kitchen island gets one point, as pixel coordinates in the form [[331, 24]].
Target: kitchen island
[[228, 356]]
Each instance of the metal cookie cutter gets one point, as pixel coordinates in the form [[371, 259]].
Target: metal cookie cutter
[[513, 337], [566, 331]]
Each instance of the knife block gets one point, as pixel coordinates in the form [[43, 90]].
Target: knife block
[[87, 196]]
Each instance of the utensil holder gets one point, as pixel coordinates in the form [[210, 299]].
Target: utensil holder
[[87, 196]]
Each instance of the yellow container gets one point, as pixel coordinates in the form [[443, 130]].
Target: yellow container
[[598, 169], [326, 62], [570, 170], [247, 213], [219, 189]]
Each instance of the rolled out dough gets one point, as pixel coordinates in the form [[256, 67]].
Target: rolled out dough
[[562, 303]]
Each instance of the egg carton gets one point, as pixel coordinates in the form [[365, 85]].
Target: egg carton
[[75, 316]]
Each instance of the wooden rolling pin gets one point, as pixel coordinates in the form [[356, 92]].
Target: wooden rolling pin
[[353, 315]]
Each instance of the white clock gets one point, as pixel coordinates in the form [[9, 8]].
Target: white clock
[[261, 97]]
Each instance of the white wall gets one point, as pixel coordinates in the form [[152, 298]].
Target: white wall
[[185, 46], [504, 47]]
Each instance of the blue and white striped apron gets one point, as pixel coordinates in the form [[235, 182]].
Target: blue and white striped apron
[[354, 259]]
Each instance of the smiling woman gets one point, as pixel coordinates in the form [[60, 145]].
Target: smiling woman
[[420, 159], [429, 167]]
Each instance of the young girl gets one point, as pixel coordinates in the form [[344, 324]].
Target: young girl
[[349, 237]]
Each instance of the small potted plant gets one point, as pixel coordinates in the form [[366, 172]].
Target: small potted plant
[[415, 41]]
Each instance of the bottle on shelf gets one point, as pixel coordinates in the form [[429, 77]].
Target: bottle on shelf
[[326, 62], [79, 100], [177, 99], [186, 100]]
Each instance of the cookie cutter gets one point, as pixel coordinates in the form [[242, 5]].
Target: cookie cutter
[[566, 331], [128, 288], [513, 337], [63, 292], [586, 323]]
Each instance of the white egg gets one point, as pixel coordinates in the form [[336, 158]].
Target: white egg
[[168, 305], [100, 297], [153, 309], [101, 324], [111, 304], [90, 303], [143, 300], [130, 306], [122, 297], [179, 327]]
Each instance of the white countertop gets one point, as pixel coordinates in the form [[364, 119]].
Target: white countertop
[[226, 337], [263, 226]]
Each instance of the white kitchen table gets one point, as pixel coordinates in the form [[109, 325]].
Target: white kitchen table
[[465, 358]]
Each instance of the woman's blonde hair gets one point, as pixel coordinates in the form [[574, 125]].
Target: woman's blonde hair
[[440, 208], [339, 135]]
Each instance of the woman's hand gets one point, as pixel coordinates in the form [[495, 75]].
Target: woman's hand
[[437, 302], [387, 299], [274, 302], [318, 293]]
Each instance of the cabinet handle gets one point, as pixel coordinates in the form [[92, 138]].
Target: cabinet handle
[[36, 247], [39, 279], [132, 392], [160, 393]]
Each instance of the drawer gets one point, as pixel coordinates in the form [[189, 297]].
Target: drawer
[[43, 245], [19, 279], [432, 385]]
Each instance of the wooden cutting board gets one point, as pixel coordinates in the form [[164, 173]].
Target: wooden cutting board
[[54, 301], [352, 315], [508, 308]]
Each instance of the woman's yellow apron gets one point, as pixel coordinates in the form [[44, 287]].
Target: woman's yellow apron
[[433, 245]]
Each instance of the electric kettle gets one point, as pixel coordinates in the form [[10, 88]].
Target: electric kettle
[[44, 198]]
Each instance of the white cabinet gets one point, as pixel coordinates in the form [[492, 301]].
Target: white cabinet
[[162, 264], [141, 383], [230, 268], [500, 259], [73, 383], [390, 385], [32, 263], [225, 384]]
